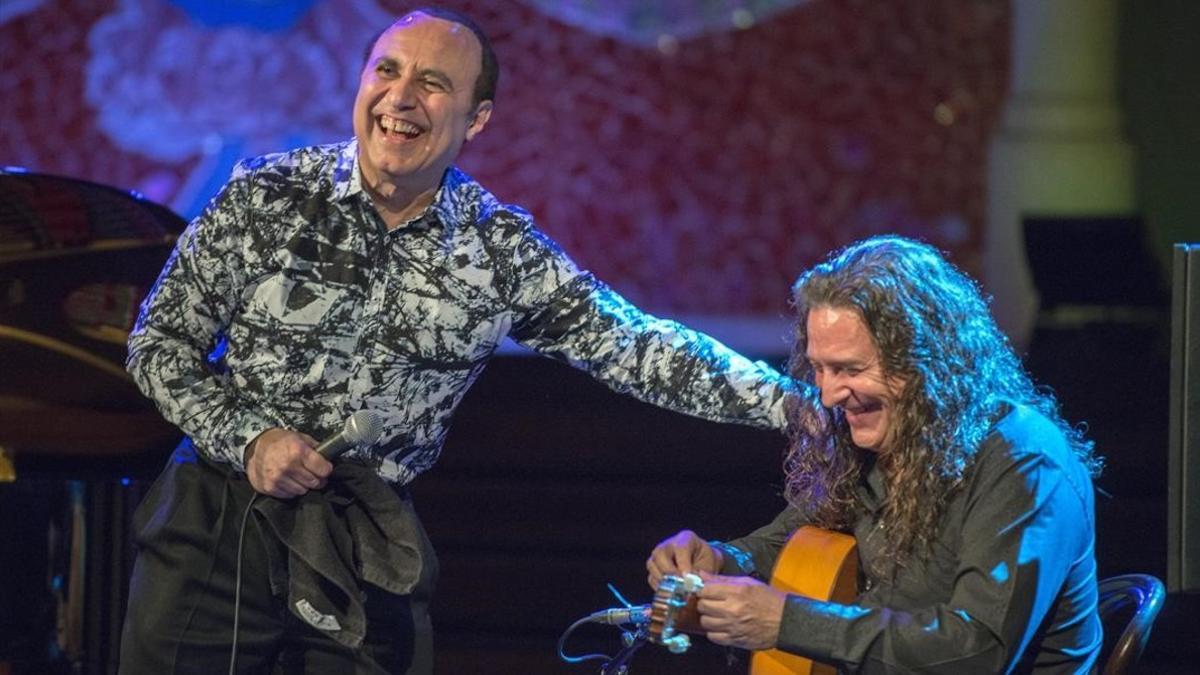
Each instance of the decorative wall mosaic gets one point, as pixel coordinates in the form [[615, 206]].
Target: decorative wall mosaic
[[697, 161]]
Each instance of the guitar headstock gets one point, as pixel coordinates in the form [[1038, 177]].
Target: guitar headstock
[[673, 612]]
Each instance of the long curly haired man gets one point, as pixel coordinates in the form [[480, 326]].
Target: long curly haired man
[[934, 333], [915, 429]]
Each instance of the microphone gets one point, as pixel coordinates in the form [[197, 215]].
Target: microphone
[[362, 428], [637, 615]]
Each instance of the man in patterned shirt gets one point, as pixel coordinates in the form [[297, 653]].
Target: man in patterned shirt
[[368, 275]]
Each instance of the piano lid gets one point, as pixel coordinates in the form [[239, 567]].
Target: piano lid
[[42, 215], [76, 259]]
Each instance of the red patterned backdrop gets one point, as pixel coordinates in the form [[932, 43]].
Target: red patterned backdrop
[[698, 173]]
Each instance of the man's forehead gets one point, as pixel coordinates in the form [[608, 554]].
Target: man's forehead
[[838, 330], [838, 317], [443, 29]]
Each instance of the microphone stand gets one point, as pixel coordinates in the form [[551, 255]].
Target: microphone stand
[[633, 642]]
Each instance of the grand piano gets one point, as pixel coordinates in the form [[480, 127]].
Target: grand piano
[[77, 440]]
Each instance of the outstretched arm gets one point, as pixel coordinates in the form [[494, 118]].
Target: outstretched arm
[[565, 313]]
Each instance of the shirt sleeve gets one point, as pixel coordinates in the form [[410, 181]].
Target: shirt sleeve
[[754, 554], [1024, 529], [569, 315], [181, 323]]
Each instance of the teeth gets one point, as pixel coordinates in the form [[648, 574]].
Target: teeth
[[399, 126]]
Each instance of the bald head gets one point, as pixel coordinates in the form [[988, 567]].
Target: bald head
[[489, 67]]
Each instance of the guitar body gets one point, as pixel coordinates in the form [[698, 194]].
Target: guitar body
[[818, 564]]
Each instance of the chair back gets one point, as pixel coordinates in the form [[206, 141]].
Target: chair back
[[1129, 603]]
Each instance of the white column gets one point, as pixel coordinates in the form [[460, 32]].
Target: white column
[[1058, 150]]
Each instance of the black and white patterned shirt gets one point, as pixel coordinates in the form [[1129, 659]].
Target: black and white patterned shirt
[[288, 303]]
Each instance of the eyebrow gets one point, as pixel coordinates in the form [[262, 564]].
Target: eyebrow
[[840, 363], [439, 75]]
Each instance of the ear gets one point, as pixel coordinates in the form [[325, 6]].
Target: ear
[[482, 114]]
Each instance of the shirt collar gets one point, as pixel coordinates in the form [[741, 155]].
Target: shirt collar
[[452, 203], [872, 490], [346, 179]]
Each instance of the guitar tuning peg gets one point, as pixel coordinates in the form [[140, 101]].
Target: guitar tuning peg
[[677, 644]]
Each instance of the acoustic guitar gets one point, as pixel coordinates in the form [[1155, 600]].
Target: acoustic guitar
[[815, 563]]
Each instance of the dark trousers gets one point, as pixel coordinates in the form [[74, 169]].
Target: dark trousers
[[181, 597]]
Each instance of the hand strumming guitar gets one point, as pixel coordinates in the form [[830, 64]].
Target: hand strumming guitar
[[740, 611]]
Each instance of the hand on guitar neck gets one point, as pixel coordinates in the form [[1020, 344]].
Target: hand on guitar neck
[[684, 553]]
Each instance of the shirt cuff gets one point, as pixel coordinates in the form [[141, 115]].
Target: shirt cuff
[[734, 561], [228, 445], [784, 387], [814, 629]]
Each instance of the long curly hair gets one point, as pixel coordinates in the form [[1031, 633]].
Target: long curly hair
[[933, 330]]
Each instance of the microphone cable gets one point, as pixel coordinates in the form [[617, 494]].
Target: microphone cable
[[237, 586], [562, 643]]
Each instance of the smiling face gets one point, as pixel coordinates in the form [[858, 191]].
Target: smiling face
[[414, 108], [849, 372]]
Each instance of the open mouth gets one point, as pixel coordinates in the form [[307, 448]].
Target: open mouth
[[858, 414], [395, 128]]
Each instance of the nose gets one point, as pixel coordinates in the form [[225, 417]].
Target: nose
[[401, 94], [834, 391]]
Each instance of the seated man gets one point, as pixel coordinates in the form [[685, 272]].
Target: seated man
[[969, 496]]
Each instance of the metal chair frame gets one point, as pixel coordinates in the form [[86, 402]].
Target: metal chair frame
[[1142, 594]]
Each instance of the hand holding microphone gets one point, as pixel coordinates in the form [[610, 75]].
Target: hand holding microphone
[[362, 428], [284, 463]]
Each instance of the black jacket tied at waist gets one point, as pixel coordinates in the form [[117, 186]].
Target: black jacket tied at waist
[[323, 548], [357, 529]]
